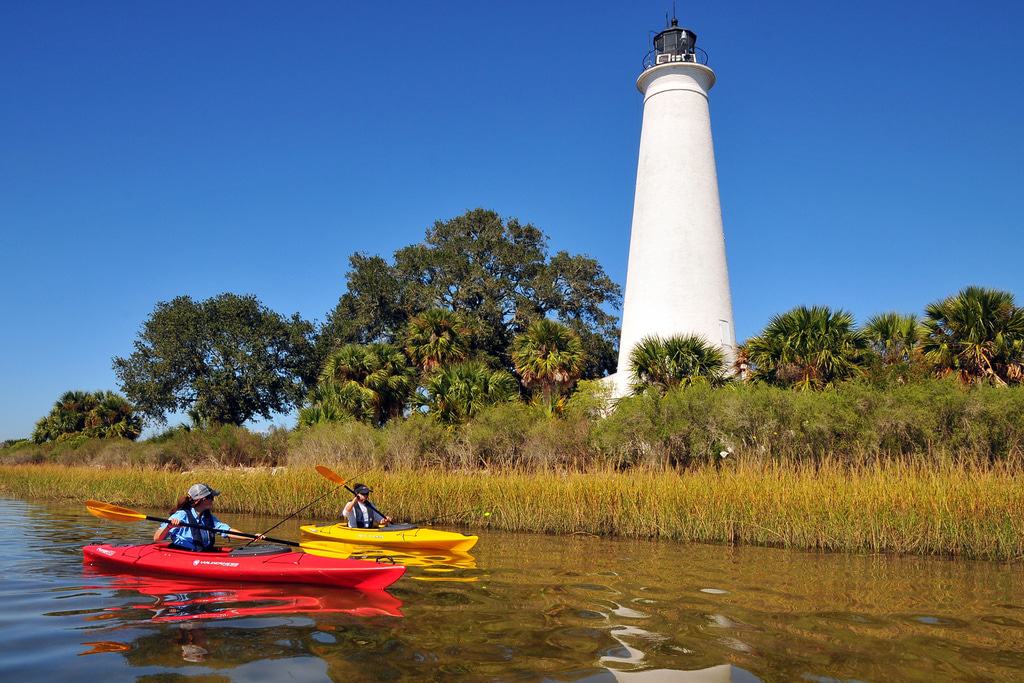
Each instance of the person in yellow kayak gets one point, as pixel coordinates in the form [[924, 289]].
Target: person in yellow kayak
[[194, 508], [360, 513]]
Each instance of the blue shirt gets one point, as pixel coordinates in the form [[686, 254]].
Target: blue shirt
[[182, 535]]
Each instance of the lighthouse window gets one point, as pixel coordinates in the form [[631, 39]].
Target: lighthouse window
[[723, 326]]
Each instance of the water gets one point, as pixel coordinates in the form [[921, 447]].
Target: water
[[532, 608]]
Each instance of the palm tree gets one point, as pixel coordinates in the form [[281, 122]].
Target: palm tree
[[371, 382], [436, 337], [68, 414], [807, 348], [326, 404], [679, 360], [549, 357], [978, 334], [101, 414], [456, 393], [112, 416], [894, 338]]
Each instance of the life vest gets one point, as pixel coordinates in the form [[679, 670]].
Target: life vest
[[363, 522], [202, 540]]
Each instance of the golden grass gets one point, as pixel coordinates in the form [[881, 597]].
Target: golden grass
[[893, 508]]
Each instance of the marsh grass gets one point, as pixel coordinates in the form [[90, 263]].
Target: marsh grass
[[926, 467], [906, 508]]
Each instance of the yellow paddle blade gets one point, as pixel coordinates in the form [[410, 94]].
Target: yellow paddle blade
[[107, 511], [330, 474]]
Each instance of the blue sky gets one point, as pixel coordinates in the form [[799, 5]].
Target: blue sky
[[869, 154]]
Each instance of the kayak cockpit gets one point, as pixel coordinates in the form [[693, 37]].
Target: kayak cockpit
[[389, 527], [258, 550]]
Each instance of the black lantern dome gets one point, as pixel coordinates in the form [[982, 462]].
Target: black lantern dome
[[675, 44], [675, 40]]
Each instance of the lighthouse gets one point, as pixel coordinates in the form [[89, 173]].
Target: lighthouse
[[677, 281]]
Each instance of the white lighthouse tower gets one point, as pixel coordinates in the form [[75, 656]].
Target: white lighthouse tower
[[677, 280]]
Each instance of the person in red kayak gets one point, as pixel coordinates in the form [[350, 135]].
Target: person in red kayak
[[359, 511], [194, 508]]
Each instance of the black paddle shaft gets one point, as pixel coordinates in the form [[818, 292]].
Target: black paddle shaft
[[279, 541], [307, 505]]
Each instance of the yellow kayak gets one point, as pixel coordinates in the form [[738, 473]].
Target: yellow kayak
[[392, 536]]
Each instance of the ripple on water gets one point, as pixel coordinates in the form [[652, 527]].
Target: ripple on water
[[628, 653], [721, 672], [594, 587], [736, 644], [847, 618], [591, 614], [722, 621], [579, 640], [949, 622], [449, 598], [628, 613]]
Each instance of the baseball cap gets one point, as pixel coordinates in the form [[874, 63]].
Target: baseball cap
[[200, 491]]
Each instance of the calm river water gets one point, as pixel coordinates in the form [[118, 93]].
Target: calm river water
[[532, 608]]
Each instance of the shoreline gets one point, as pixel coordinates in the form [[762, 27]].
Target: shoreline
[[894, 509]]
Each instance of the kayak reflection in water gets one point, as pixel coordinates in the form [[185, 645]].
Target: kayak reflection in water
[[194, 508], [359, 511]]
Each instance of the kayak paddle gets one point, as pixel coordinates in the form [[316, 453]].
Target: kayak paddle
[[341, 483], [327, 473], [119, 514]]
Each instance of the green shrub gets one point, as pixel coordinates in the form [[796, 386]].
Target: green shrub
[[20, 454], [929, 421], [335, 442], [168, 434], [419, 441], [497, 435], [562, 444]]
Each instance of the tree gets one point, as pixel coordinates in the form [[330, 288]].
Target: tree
[[807, 348], [549, 357], [456, 393], [100, 414], [679, 360], [371, 382], [977, 334], [327, 403], [893, 337], [375, 306], [435, 338], [225, 360], [496, 274]]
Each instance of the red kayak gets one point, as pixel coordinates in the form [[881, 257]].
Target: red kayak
[[257, 564]]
